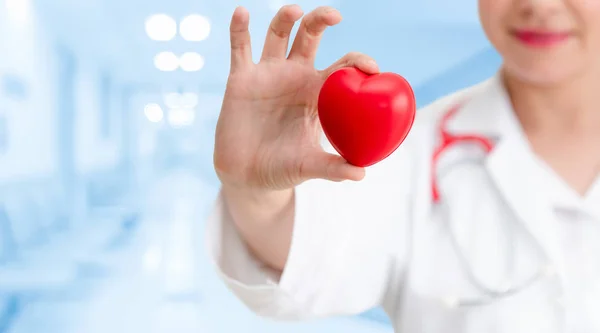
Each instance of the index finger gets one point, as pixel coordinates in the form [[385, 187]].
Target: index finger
[[241, 50], [310, 32]]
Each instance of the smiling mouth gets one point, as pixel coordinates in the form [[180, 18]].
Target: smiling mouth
[[540, 39]]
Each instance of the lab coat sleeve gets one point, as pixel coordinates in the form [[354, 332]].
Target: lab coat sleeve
[[348, 240]]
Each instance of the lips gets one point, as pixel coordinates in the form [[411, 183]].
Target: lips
[[535, 38]]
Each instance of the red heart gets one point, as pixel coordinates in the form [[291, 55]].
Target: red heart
[[366, 116]]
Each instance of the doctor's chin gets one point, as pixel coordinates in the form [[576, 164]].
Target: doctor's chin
[[314, 166]]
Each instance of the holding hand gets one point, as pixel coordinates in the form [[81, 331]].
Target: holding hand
[[268, 134]]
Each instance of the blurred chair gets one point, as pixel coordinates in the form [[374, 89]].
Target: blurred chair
[[20, 272], [50, 208], [71, 240], [49, 246], [19, 280], [109, 198], [83, 232], [45, 248]]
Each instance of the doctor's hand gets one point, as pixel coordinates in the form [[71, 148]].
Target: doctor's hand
[[268, 134]]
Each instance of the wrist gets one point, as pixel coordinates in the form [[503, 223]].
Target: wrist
[[257, 196], [264, 206]]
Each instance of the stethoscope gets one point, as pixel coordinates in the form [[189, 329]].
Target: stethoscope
[[490, 294]]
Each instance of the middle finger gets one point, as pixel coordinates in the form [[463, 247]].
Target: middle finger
[[277, 39], [310, 32]]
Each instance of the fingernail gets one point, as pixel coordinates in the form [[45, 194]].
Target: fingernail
[[372, 65]]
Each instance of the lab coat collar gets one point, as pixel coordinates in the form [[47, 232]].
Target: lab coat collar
[[515, 173], [566, 199], [488, 111], [592, 201]]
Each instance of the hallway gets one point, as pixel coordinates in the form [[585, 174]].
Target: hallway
[[160, 280]]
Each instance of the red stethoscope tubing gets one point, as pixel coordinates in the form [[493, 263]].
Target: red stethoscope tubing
[[447, 141]]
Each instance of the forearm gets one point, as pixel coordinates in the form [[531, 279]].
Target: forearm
[[264, 220]]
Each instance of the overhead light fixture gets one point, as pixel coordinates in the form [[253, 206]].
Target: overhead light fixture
[[161, 27], [181, 117], [191, 62], [153, 112], [172, 100], [194, 28], [18, 10], [189, 100], [166, 61]]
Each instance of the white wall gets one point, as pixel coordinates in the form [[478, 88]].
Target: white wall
[[27, 52], [31, 128], [207, 112], [146, 131], [93, 152]]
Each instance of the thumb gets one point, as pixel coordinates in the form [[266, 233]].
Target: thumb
[[353, 59], [328, 166]]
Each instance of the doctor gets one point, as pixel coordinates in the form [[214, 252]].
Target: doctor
[[486, 219]]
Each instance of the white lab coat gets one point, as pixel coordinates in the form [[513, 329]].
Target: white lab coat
[[382, 242]]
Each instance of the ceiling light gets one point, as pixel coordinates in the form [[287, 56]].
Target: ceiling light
[[161, 27], [19, 10], [166, 61], [189, 100], [172, 100], [191, 62], [194, 28], [181, 117], [153, 112]]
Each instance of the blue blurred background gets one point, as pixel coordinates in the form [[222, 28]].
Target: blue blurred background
[[107, 117]]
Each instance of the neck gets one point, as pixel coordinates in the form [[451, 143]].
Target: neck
[[568, 108]]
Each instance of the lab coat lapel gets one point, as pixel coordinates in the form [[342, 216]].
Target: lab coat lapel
[[593, 199], [513, 171], [511, 164]]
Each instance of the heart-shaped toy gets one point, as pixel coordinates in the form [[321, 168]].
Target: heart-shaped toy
[[366, 117]]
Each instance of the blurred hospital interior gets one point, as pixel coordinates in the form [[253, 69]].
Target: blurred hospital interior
[[107, 116]]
